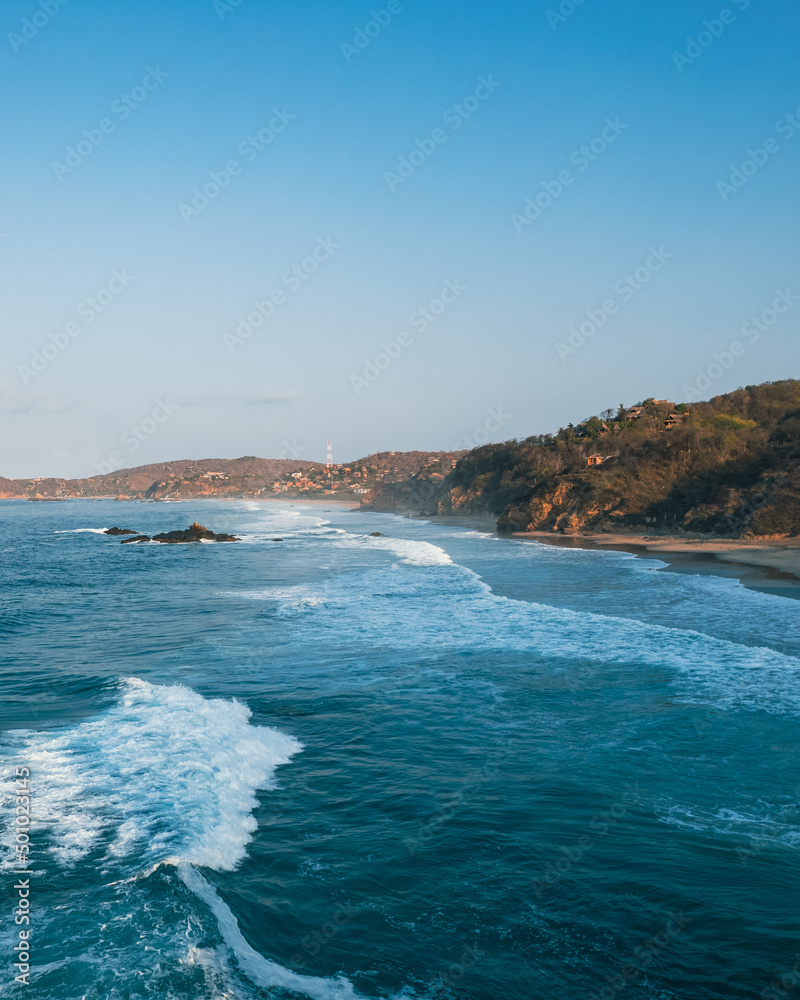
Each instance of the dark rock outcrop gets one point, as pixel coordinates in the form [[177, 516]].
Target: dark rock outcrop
[[120, 531], [194, 533]]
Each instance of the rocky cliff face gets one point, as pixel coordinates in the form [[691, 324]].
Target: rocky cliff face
[[588, 502], [729, 467]]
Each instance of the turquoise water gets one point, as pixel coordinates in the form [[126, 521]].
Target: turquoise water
[[430, 764]]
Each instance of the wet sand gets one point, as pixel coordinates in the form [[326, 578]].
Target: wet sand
[[770, 565]]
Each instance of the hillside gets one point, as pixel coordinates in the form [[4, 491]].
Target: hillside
[[728, 467], [238, 477]]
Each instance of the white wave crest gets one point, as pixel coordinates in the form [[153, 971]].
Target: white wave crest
[[165, 775], [258, 969], [412, 552], [78, 531]]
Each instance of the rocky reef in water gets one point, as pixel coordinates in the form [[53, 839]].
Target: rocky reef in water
[[194, 533]]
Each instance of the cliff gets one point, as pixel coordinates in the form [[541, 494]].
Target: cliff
[[728, 467]]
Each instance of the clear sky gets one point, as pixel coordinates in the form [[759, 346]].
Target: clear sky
[[388, 153]]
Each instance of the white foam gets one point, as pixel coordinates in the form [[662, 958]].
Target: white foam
[[78, 531], [289, 598], [411, 552], [258, 969], [164, 775], [453, 608], [766, 825]]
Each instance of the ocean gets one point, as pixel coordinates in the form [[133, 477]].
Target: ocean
[[430, 763]]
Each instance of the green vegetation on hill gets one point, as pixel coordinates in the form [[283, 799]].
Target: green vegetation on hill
[[729, 467]]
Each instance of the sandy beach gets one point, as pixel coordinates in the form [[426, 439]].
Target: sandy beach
[[767, 564], [303, 502]]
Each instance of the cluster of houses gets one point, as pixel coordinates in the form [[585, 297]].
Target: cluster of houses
[[672, 420], [358, 478], [633, 413]]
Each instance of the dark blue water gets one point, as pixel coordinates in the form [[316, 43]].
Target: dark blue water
[[430, 764]]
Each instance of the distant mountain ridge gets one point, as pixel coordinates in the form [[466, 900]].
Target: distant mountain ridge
[[247, 476], [728, 467]]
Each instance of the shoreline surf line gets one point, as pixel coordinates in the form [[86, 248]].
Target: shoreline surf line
[[770, 566]]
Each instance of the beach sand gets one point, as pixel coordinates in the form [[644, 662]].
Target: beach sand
[[771, 565], [303, 502]]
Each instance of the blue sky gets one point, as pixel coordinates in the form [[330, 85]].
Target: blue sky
[[157, 100]]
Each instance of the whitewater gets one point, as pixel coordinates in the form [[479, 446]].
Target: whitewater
[[427, 763]]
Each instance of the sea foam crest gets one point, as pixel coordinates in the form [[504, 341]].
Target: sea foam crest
[[165, 776], [80, 531], [259, 970], [410, 551]]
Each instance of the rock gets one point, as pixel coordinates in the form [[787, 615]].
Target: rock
[[194, 533], [137, 538], [276, 539], [376, 534], [120, 531]]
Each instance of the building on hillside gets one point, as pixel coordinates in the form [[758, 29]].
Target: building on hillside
[[673, 420], [594, 460]]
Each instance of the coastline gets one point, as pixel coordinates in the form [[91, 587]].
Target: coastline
[[770, 565], [294, 501], [350, 504]]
